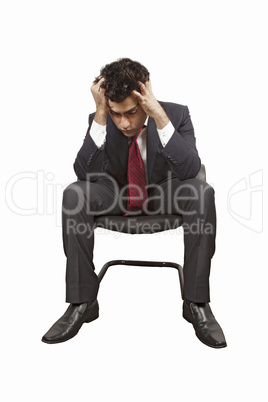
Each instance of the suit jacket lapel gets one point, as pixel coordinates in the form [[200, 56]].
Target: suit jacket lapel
[[153, 143], [117, 143]]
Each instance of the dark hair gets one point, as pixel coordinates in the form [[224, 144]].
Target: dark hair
[[121, 78]]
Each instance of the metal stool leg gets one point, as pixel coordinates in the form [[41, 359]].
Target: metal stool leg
[[144, 264]]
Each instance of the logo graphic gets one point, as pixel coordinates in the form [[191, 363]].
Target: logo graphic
[[245, 201]]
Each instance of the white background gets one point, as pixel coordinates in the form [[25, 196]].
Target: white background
[[209, 55]]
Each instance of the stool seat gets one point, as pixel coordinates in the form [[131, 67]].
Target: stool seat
[[138, 224]]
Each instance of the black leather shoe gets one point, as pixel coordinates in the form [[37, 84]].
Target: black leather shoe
[[71, 321], [207, 329]]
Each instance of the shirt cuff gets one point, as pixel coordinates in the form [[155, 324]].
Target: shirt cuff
[[98, 133], [166, 133]]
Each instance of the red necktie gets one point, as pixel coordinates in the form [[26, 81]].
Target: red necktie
[[137, 192]]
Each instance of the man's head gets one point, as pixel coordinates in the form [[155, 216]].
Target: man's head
[[120, 79]]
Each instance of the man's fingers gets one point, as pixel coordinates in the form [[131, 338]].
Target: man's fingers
[[148, 85], [97, 83], [142, 87], [138, 95], [97, 80]]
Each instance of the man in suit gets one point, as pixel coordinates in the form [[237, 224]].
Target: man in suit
[[139, 156]]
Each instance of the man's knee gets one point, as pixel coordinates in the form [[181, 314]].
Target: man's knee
[[86, 196], [194, 196], [73, 198]]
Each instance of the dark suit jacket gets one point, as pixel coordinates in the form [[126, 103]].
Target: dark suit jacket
[[179, 156]]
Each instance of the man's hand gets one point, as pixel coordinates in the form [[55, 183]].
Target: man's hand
[[102, 110], [150, 105]]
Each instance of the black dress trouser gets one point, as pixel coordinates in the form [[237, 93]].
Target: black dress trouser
[[82, 200]]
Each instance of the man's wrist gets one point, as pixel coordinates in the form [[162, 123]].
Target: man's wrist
[[101, 117], [160, 117]]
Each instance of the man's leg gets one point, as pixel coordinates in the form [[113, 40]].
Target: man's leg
[[197, 206], [82, 201], [194, 200]]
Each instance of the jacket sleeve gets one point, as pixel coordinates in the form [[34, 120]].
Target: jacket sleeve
[[89, 160], [180, 151]]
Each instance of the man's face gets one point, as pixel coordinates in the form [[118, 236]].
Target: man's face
[[128, 116]]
